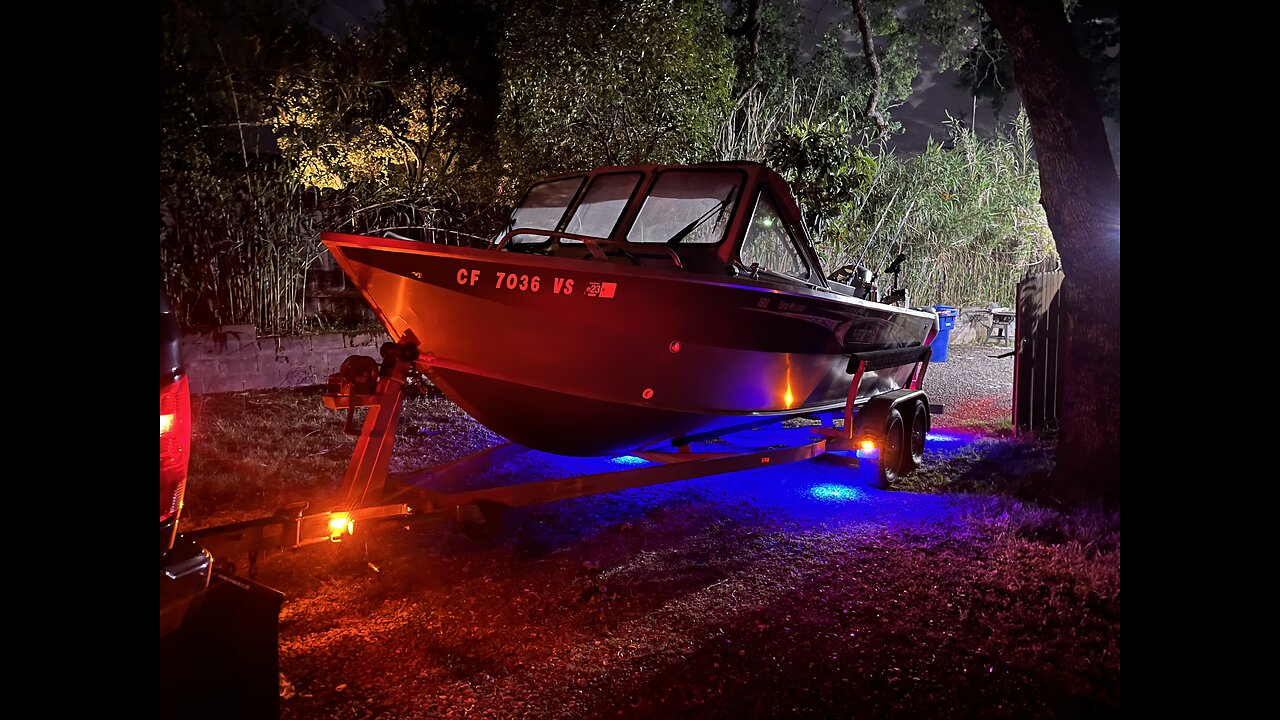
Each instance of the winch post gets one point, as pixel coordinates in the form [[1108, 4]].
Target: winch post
[[367, 473]]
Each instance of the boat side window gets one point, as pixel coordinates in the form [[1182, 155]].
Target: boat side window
[[543, 207], [600, 209], [692, 205], [770, 243]]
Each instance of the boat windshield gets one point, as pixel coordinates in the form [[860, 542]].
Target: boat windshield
[[542, 208], [600, 209], [687, 206], [770, 245]]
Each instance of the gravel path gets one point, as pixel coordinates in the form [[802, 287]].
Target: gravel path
[[974, 388]]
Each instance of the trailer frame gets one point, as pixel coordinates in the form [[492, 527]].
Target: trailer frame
[[370, 501]]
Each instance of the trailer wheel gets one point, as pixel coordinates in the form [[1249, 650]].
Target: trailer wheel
[[481, 520], [892, 449], [914, 456]]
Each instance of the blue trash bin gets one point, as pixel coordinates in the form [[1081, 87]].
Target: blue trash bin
[[946, 322]]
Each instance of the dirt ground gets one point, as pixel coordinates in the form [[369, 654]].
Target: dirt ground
[[790, 591]]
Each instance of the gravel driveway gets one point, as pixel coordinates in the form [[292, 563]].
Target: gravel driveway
[[973, 386]]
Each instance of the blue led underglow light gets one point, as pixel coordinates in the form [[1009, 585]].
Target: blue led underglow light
[[834, 493], [942, 437], [628, 460]]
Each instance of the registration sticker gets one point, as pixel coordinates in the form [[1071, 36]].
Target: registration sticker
[[605, 290]]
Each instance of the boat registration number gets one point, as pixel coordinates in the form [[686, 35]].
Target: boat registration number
[[521, 282]]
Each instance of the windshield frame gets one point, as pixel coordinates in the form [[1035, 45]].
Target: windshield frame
[[570, 205]]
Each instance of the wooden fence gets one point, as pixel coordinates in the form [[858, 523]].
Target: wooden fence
[[1037, 384]]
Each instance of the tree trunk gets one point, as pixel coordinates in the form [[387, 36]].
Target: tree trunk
[[750, 29], [872, 109], [1080, 192]]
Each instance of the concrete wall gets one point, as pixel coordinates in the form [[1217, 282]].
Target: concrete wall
[[235, 358]]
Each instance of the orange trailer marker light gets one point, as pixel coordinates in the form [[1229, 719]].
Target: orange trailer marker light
[[340, 524]]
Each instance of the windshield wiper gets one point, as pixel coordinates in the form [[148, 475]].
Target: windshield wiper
[[715, 210]]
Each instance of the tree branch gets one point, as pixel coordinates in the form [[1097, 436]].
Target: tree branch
[[869, 52]]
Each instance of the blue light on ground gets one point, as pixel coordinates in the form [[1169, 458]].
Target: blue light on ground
[[947, 440], [832, 492], [828, 491], [955, 435], [628, 460]]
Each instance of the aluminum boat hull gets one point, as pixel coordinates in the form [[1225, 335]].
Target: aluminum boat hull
[[581, 357]]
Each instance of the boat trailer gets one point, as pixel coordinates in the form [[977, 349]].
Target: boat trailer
[[886, 433]]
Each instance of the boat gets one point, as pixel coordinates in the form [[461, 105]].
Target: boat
[[627, 307]]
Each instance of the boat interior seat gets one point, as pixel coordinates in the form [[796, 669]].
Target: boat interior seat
[[862, 293]]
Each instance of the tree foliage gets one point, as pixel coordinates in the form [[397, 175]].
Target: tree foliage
[[236, 234], [826, 173], [403, 111], [1095, 24], [834, 75], [966, 212], [605, 83]]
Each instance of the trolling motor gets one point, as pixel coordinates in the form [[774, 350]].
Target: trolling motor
[[897, 295]]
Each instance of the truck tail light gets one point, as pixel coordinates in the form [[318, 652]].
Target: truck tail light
[[175, 444]]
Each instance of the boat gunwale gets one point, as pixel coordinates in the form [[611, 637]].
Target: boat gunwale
[[780, 287]]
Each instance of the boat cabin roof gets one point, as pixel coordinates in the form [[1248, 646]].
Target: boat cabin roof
[[725, 218]]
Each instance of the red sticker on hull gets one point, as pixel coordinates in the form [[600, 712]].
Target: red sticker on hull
[[604, 290]]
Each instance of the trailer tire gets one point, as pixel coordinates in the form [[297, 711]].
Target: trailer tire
[[915, 437], [488, 529], [892, 449]]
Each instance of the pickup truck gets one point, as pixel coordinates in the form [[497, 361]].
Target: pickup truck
[[185, 567], [219, 645]]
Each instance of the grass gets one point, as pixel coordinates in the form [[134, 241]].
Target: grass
[[1014, 467], [253, 452], [995, 427], [256, 451], [691, 607]]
